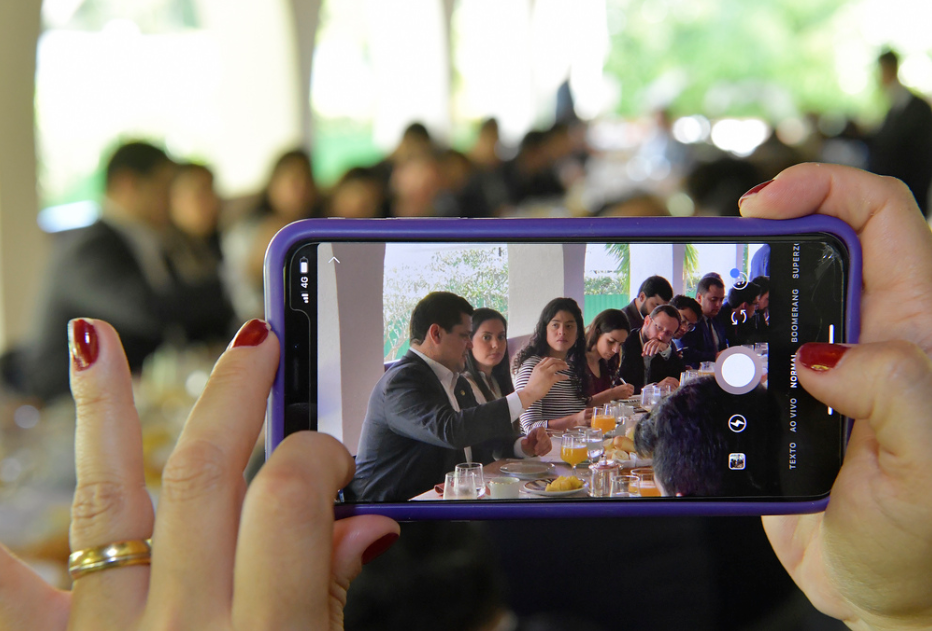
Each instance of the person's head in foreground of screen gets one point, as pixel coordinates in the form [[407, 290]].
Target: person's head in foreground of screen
[[688, 438], [661, 324], [441, 329], [489, 352], [652, 293], [605, 336], [710, 293], [559, 333], [690, 313]]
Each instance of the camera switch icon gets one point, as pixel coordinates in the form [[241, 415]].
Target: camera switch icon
[[737, 461]]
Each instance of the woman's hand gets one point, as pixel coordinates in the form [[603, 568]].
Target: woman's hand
[[867, 559], [223, 556], [624, 391]]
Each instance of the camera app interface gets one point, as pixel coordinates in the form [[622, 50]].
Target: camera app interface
[[609, 371]]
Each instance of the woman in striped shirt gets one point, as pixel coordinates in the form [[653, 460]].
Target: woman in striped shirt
[[559, 333]]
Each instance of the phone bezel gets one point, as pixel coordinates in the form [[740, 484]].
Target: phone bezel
[[593, 229]]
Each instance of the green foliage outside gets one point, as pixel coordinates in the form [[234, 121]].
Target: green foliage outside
[[730, 57], [479, 275]]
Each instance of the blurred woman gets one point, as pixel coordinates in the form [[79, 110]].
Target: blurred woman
[[604, 337], [558, 333], [290, 195], [487, 361]]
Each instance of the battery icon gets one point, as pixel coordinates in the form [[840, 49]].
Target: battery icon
[[302, 266]]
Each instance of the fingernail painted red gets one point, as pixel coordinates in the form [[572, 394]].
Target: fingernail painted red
[[754, 191], [253, 333], [83, 343], [379, 548], [819, 356]]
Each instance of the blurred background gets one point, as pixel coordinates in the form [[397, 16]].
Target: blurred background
[[471, 108]]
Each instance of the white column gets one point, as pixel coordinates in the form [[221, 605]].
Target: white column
[[349, 335], [538, 273], [306, 14], [652, 259], [410, 60], [23, 247]]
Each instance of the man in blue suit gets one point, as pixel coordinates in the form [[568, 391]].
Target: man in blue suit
[[422, 417], [708, 339]]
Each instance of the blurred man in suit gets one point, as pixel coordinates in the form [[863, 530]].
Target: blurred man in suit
[[902, 147], [423, 419], [117, 269]]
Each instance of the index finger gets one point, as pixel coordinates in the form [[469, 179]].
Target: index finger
[[895, 239]]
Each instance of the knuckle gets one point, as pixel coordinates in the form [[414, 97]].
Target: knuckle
[[906, 364], [194, 470], [96, 504], [289, 491]]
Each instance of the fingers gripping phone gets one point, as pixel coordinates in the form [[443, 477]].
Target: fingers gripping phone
[[380, 348]]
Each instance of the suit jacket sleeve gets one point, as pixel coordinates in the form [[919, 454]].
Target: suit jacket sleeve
[[417, 407]]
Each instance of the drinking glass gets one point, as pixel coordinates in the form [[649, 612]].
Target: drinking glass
[[602, 474], [650, 396], [476, 469], [573, 448], [624, 485], [603, 418], [595, 448], [647, 487], [460, 485]]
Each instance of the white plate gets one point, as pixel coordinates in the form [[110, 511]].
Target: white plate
[[538, 487], [527, 470]]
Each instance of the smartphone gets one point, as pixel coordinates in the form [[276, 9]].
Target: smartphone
[[340, 296]]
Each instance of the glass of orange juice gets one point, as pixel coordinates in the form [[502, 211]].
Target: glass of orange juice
[[573, 448], [603, 418], [646, 484]]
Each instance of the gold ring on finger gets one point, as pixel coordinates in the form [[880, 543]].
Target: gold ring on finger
[[120, 554]]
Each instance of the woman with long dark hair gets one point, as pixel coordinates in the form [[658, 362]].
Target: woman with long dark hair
[[558, 333], [604, 338], [487, 362]]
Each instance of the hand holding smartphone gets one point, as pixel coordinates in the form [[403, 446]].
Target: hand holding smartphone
[[340, 294]]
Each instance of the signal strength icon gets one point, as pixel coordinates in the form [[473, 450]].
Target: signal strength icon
[[305, 298]]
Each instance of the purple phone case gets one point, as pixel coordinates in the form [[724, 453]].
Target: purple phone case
[[555, 230]]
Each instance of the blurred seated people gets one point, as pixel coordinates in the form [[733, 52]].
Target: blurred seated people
[[422, 417], [707, 339], [359, 194], [604, 338], [635, 205], [193, 244], [487, 360], [737, 312], [716, 186], [558, 334], [902, 147], [484, 154], [415, 141], [643, 360], [529, 175], [417, 189], [456, 171], [689, 441], [653, 292], [117, 269], [290, 195]]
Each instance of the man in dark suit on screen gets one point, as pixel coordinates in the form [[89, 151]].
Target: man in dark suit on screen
[[708, 338], [422, 417]]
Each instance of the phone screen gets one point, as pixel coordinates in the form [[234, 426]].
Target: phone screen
[[732, 424]]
